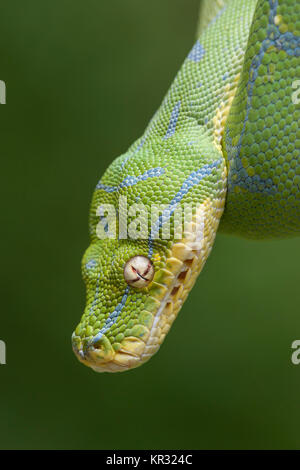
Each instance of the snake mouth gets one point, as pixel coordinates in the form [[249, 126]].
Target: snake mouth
[[102, 357]]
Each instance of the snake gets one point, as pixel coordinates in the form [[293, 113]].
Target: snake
[[221, 154]]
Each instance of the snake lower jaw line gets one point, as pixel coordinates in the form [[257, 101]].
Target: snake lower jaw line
[[99, 361], [102, 357]]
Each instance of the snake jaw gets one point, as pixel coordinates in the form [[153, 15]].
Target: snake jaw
[[103, 357]]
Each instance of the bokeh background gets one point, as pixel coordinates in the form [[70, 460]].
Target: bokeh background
[[83, 79]]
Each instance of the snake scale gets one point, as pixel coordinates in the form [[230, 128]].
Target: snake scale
[[225, 141]]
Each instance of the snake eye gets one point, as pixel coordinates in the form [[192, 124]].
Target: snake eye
[[138, 271]]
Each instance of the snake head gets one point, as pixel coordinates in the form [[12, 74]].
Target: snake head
[[136, 285], [115, 330], [125, 322]]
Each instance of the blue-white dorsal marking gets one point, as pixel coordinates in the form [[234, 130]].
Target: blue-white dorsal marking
[[192, 180], [132, 180], [218, 15], [197, 52], [289, 43], [173, 120], [112, 318], [90, 265]]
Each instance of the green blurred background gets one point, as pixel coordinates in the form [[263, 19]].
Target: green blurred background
[[83, 79]]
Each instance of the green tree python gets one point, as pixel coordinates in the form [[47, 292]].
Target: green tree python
[[225, 145]]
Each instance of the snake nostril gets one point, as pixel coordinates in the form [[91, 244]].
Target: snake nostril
[[97, 346]]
